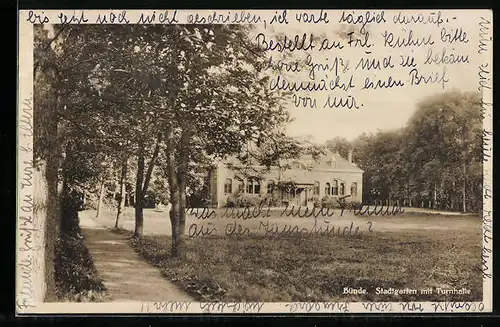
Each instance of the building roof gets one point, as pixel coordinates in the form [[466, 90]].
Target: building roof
[[329, 162], [325, 162]]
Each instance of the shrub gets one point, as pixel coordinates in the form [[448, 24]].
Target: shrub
[[316, 202], [353, 205], [270, 200], [231, 201], [196, 200], [329, 202], [248, 201], [75, 274], [240, 200]]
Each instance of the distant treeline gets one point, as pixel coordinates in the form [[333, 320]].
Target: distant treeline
[[435, 161]]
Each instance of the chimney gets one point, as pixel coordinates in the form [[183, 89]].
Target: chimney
[[349, 155], [333, 161]]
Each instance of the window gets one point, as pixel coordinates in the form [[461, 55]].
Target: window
[[354, 189], [270, 187], [342, 188], [241, 185], [253, 186], [256, 187], [327, 189], [316, 188], [297, 165], [335, 188], [228, 186]]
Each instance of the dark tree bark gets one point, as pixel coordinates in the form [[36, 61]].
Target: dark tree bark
[[121, 197], [142, 183], [434, 196], [464, 198], [152, 163], [182, 177], [101, 198], [174, 193], [139, 201], [46, 183]]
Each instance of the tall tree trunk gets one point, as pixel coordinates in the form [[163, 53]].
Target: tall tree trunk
[[407, 194], [181, 177], [280, 189], [434, 204], [453, 196], [45, 219], [121, 197], [101, 198], [43, 203], [139, 196], [174, 193], [152, 163], [142, 183], [464, 204]]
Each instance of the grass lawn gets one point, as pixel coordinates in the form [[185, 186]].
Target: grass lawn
[[256, 268]]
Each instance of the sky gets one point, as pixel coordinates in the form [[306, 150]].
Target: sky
[[384, 108]]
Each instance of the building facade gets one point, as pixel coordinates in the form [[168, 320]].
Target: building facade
[[329, 176]]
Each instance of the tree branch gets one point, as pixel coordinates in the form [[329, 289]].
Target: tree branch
[[152, 163]]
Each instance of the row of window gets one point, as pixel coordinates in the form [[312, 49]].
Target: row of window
[[253, 187], [336, 188]]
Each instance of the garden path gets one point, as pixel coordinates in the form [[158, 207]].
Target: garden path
[[125, 274]]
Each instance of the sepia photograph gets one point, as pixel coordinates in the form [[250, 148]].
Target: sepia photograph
[[256, 157]]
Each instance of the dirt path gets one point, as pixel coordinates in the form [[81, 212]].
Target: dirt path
[[126, 275]]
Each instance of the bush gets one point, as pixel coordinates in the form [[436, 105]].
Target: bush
[[270, 200], [242, 201], [334, 203], [248, 201], [354, 205], [75, 274], [231, 201], [69, 214], [316, 202], [329, 202], [196, 200]]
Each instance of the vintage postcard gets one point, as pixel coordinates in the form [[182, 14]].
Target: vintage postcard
[[254, 161]]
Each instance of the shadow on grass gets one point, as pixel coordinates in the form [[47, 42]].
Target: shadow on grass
[[254, 268]]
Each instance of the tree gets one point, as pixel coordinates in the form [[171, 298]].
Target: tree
[[118, 89], [339, 144], [221, 103], [429, 160], [381, 157], [446, 131], [46, 154], [121, 197], [216, 99]]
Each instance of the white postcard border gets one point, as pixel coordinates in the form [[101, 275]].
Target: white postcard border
[[26, 277]]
